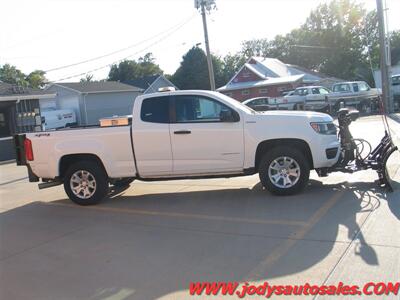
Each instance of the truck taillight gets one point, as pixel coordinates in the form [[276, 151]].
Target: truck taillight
[[28, 149]]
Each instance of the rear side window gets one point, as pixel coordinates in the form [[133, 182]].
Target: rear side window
[[155, 110], [341, 87]]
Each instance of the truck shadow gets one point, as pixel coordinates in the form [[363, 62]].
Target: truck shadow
[[134, 255]]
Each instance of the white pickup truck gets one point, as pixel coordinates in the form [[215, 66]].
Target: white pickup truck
[[356, 94], [310, 98], [182, 134]]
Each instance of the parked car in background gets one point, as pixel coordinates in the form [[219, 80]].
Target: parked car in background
[[396, 91], [258, 104], [288, 93], [267, 103], [54, 119], [310, 98], [357, 94]]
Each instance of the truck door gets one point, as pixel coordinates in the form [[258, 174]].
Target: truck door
[[202, 143], [151, 139]]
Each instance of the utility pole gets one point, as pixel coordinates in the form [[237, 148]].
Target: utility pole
[[384, 49], [204, 5]]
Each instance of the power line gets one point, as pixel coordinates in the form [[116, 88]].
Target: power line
[[120, 50], [129, 56]]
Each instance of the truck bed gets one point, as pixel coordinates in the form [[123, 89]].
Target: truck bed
[[112, 144]]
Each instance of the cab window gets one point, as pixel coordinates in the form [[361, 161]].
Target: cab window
[[261, 101], [364, 87], [301, 92], [196, 109], [256, 102], [344, 87], [323, 91], [315, 91], [155, 110]]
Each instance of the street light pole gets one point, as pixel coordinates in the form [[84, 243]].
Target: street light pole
[[383, 58], [202, 5]]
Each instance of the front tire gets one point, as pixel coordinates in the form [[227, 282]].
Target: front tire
[[86, 183], [284, 171]]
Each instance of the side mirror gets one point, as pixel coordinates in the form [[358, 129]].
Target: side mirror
[[228, 116]]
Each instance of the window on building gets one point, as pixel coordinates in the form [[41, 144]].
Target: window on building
[[155, 110], [245, 92], [263, 91]]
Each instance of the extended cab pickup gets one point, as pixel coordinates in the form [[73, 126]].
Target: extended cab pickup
[[356, 94], [182, 134]]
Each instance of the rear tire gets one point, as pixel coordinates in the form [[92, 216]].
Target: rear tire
[[86, 183], [284, 171]]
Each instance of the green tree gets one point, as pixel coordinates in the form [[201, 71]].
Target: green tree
[[232, 64], [10, 74], [131, 69], [36, 79], [338, 38], [192, 72]]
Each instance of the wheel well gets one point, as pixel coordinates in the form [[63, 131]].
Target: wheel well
[[267, 145], [68, 160]]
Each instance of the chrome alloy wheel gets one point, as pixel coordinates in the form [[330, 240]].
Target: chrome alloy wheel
[[284, 172], [83, 184]]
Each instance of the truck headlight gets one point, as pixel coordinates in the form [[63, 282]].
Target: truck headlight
[[324, 127]]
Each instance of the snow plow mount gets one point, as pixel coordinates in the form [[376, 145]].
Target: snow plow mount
[[353, 157]]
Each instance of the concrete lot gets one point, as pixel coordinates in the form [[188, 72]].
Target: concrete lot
[[151, 240]]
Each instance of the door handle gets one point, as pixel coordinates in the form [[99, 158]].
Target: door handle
[[182, 132]]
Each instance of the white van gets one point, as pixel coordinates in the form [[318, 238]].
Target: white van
[[53, 119]]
